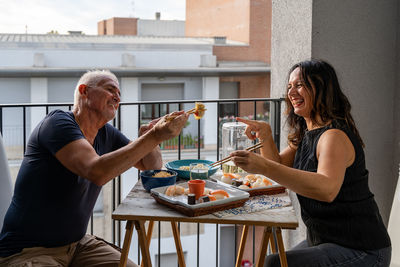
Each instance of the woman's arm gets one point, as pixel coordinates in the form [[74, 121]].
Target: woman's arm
[[335, 153], [262, 131]]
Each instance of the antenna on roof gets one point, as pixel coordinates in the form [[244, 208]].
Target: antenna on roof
[[133, 8], [26, 29]]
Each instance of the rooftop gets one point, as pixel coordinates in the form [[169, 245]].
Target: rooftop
[[11, 40]]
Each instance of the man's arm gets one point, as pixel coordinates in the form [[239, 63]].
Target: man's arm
[[80, 157], [153, 160]]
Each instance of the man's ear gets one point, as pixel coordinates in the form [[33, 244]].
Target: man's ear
[[83, 89]]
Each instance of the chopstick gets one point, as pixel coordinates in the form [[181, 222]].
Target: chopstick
[[170, 118], [222, 161]]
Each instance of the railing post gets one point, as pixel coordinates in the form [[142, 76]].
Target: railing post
[[1, 120]]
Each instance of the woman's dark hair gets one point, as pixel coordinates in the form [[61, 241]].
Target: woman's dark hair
[[328, 100]]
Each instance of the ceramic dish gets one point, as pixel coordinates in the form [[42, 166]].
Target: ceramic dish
[[274, 188], [234, 195], [149, 181], [185, 174]]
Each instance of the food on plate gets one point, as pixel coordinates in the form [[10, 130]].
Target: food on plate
[[247, 182], [258, 183], [186, 192], [237, 182], [219, 194], [206, 191], [227, 177], [162, 174], [175, 190], [203, 199], [191, 199], [208, 194], [212, 198]]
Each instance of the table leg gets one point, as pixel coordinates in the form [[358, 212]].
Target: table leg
[[264, 245], [281, 248], [272, 242], [148, 237], [178, 245], [127, 243], [143, 242], [242, 246]]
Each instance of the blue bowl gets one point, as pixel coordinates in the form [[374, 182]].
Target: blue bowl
[[176, 164], [149, 182]]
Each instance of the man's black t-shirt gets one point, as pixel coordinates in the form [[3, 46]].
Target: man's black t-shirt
[[51, 206]]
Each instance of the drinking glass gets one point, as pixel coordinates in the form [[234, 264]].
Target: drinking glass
[[198, 172]]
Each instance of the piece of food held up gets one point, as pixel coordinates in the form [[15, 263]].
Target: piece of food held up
[[198, 112]]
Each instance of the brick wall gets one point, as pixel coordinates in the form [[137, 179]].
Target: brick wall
[[117, 26], [251, 87], [239, 20]]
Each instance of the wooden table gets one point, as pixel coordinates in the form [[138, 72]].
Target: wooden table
[[139, 207]]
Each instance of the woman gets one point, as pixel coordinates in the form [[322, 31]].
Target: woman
[[325, 165]]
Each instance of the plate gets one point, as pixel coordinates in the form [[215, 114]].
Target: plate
[[236, 198], [176, 164], [275, 188]]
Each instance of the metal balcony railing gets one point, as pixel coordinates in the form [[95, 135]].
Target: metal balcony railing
[[18, 120]]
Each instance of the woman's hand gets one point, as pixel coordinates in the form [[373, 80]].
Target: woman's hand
[[256, 129], [249, 161]]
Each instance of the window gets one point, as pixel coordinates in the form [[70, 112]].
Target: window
[[159, 92]]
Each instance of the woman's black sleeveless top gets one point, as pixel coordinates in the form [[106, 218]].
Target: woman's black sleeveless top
[[352, 219]]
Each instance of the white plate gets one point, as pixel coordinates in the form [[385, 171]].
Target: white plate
[[218, 175], [234, 195]]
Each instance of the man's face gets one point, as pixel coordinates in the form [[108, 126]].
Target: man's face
[[104, 98]]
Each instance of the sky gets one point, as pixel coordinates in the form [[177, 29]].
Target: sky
[[43, 16]]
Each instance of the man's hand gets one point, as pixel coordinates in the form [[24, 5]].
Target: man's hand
[[165, 129], [146, 127]]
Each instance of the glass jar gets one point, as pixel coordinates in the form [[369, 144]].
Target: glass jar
[[233, 138]]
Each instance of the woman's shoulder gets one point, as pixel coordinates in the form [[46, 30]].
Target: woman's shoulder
[[337, 131]]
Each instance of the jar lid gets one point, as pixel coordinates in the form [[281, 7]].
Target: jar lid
[[233, 125]]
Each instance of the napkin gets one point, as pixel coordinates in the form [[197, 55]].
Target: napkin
[[258, 203]]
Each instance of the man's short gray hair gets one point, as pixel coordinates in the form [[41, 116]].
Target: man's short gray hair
[[92, 78]]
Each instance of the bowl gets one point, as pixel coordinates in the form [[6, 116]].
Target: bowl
[[176, 164], [149, 182]]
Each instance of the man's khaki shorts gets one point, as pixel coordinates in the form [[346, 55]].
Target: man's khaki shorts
[[89, 251]]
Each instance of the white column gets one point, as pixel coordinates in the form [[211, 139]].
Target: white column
[[39, 94], [129, 93], [129, 125], [209, 126]]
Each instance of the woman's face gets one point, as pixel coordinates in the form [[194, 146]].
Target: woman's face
[[298, 95]]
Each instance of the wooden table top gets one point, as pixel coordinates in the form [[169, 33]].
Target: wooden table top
[[139, 205]]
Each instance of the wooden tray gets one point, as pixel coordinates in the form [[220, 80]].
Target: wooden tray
[[270, 190], [273, 189], [199, 211], [237, 199]]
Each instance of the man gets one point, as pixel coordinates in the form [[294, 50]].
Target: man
[[69, 157]]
